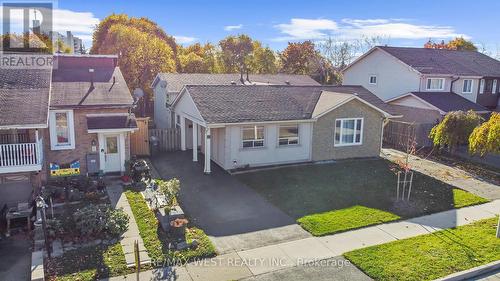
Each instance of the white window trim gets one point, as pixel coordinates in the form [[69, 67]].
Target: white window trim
[[494, 87], [430, 89], [370, 79], [53, 131], [471, 86], [290, 138], [481, 86], [253, 140], [340, 144]]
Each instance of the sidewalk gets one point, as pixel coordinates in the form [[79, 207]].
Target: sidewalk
[[272, 258], [118, 200], [450, 175]]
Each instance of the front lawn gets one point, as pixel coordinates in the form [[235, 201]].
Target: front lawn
[[431, 256], [324, 190], [156, 240], [90, 263], [334, 221]]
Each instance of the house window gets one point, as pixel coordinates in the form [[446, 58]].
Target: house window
[[435, 84], [253, 136], [288, 135], [62, 131], [494, 87], [467, 87], [348, 131], [373, 79], [481, 86]]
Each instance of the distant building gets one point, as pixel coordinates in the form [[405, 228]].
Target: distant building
[[74, 43]]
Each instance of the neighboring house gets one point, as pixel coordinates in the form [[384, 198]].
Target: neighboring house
[[24, 110], [166, 87], [430, 79], [53, 121], [240, 126]]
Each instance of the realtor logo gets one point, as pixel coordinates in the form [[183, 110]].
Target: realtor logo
[[27, 26]]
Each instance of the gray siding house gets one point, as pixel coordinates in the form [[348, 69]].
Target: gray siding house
[[166, 87], [240, 126], [428, 79]]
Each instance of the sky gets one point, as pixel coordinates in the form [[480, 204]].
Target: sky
[[274, 23]]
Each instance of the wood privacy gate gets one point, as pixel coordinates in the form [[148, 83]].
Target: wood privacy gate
[[167, 139], [139, 140], [398, 133]]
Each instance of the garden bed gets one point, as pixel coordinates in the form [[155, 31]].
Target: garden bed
[[350, 192], [89, 263], [157, 241], [431, 256]]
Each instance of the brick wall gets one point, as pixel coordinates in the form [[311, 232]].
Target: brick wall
[[323, 133], [83, 141]]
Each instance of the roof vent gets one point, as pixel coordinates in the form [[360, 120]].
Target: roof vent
[[287, 82], [355, 94], [233, 83]]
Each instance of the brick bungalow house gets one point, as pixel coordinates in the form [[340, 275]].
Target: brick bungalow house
[[54, 122]]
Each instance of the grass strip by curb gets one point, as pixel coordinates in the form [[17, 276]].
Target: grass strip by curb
[[431, 256]]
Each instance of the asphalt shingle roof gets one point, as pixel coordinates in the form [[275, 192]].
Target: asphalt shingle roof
[[175, 81], [111, 122], [24, 97], [238, 103], [71, 82], [449, 62], [447, 101]]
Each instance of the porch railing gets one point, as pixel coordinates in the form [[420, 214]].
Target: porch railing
[[21, 156]]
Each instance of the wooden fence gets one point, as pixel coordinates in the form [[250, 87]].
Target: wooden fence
[[168, 139], [398, 133]]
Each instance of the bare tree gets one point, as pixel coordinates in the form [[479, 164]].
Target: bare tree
[[340, 53]]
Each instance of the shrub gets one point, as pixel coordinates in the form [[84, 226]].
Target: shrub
[[117, 222], [170, 188], [486, 138], [454, 129], [54, 228], [100, 220]]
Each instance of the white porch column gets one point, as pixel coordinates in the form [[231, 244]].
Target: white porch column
[[38, 147], [183, 133], [195, 142], [207, 151]]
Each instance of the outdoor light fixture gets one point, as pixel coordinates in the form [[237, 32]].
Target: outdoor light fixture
[[93, 144]]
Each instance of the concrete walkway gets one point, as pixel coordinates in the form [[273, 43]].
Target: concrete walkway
[[447, 174], [119, 200], [299, 253]]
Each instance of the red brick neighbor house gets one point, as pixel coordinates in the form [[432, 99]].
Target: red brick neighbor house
[[72, 119]]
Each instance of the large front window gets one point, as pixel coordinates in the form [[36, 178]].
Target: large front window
[[289, 134], [435, 84], [253, 136], [348, 131]]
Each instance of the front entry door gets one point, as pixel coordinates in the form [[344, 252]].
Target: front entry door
[[112, 153]]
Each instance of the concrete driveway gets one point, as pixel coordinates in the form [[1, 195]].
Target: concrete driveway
[[16, 258], [232, 214]]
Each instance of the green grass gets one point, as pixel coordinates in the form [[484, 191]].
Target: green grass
[[305, 190], [463, 198], [90, 263], [156, 240], [431, 256], [344, 219]]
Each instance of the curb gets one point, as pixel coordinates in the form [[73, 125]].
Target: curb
[[473, 272]]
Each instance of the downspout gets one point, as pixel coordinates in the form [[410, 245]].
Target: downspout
[[451, 84], [385, 121]]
